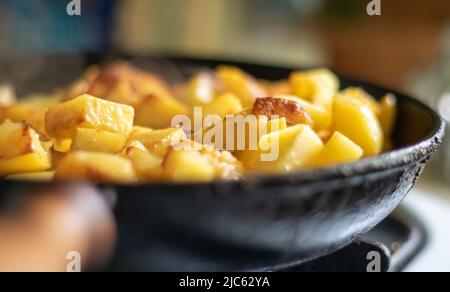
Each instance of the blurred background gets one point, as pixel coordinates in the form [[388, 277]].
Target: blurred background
[[406, 48]]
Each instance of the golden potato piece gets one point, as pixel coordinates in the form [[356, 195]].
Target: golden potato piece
[[242, 132], [98, 167], [187, 166], [158, 141], [318, 86], [138, 132], [17, 139], [158, 111], [226, 166], [35, 116], [88, 112], [362, 96], [224, 105], [94, 140], [284, 151], [21, 150], [277, 88], [236, 81], [388, 114], [339, 149], [33, 176], [32, 162], [264, 127], [283, 108], [356, 121], [123, 92], [62, 145], [199, 90], [131, 81], [147, 165], [321, 117]]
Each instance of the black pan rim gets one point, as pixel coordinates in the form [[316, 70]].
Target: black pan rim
[[391, 160]]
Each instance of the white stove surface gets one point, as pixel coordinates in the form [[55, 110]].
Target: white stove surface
[[430, 201]]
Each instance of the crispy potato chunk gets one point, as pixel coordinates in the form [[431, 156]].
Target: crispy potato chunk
[[94, 140], [339, 149], [98, 167], [28, 153], [88, 112], [318, 86], [362, 96], [158, 111], [126, 84], [356, 121], [241, 84], [32, 114], [199, 90], [158, 141], [17, 139], [187, 166], [321, 118], [224, 105], [226, 166], [147, 165], [291, 149], [291, 110]]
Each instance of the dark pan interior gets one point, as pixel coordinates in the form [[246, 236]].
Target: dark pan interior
[[251, 224]]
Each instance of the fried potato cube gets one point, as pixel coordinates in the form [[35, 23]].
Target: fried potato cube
[[32, 114], [123, 92], [224, 105], [31, 162], [45, 176], [362, 96], [89, 112], [356, 121], [226, 166], [187, 166], [158, 111], [21, 150], [62, 145], [147, 165], [243, 132], [321, 117], [158, 141], [288, 150], [98, 167], [94, 140], [339, 149], [137, 132], [199, 90], [133, 82], [281, 87], [264, 127], [317, 86], [244, 86], [388, 114], [291, 110]]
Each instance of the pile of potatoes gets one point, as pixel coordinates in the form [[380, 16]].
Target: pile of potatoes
[[114, 125]]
